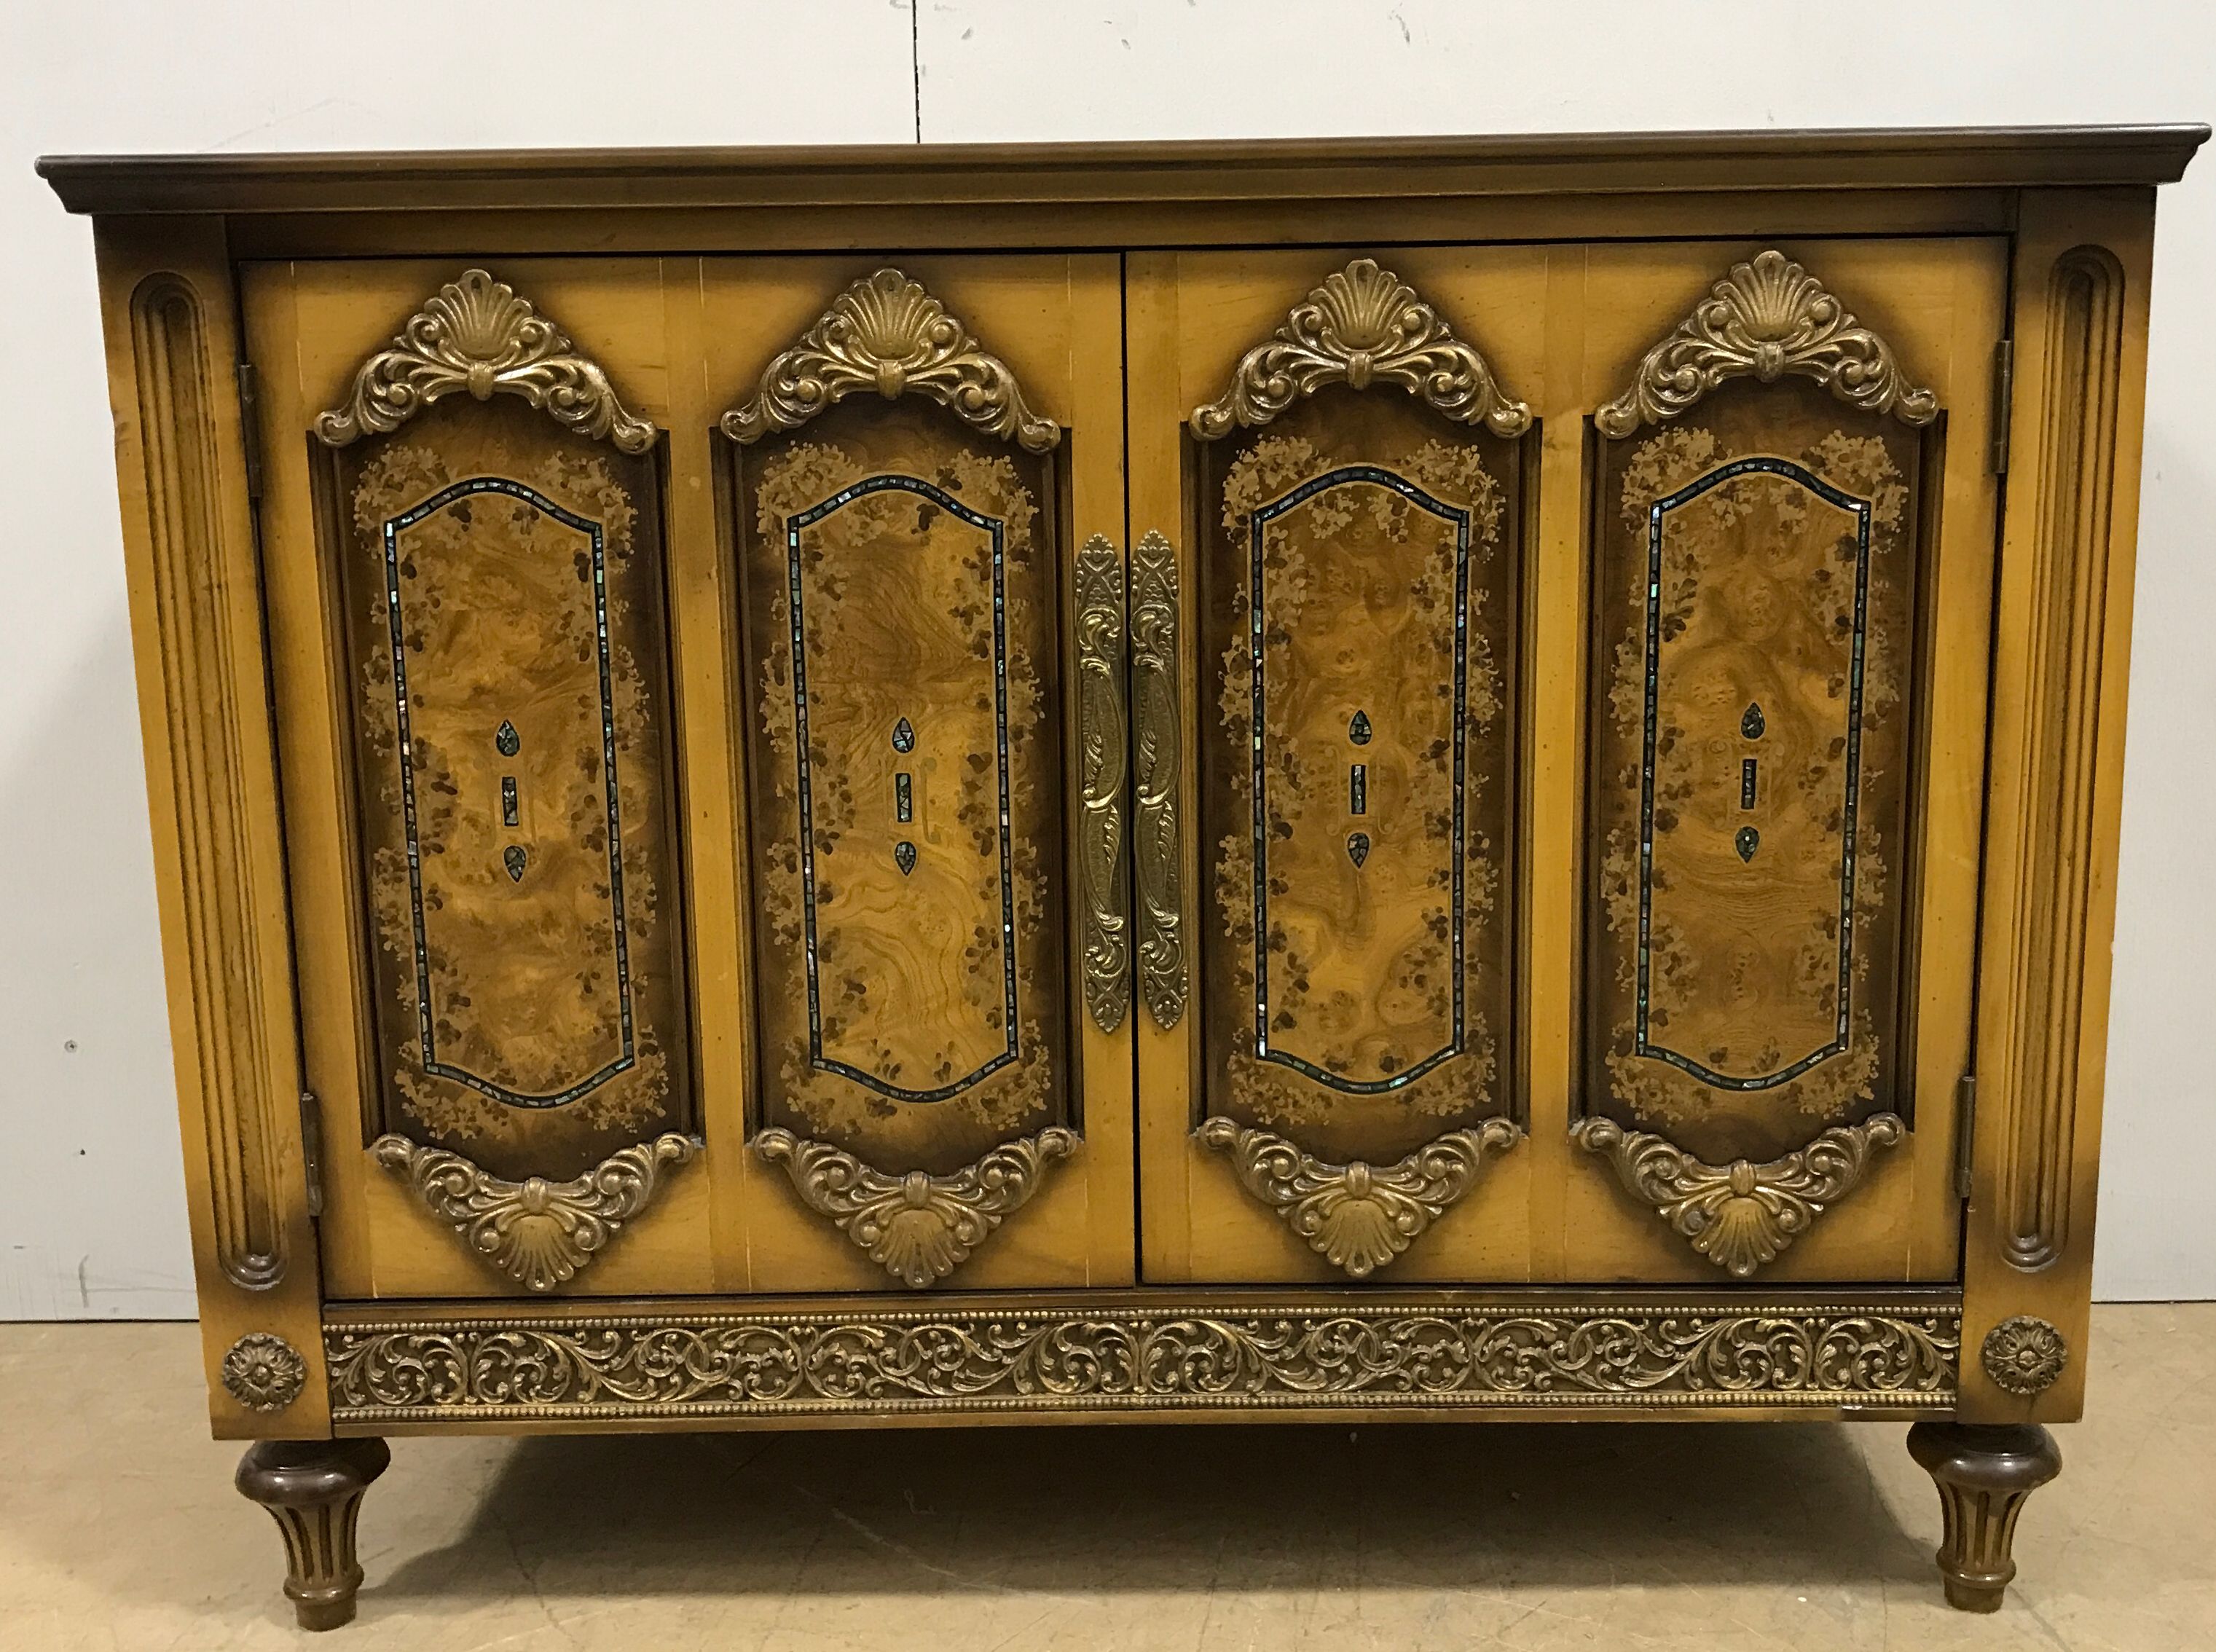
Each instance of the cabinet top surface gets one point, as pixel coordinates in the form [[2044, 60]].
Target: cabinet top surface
[[1298, 169]]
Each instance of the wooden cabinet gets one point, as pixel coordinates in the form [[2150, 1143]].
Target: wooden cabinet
[[1422, 781]]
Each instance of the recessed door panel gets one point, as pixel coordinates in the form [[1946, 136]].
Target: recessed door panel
[[463, 522], [923, 504], [1783, 766], [1340, 1098]]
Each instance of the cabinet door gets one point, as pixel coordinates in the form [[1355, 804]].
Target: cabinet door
[[1329, 490], [468, 562], [1792, 530], [923, 500]]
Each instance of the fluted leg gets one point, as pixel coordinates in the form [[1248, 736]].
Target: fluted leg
[[1983, 1472], [313, 1489]]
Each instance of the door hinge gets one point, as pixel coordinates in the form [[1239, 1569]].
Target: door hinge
[[2004, 401], [250, 428], [1966, 1120], [311, 1152]]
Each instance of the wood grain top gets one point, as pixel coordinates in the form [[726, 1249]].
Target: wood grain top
[[1300, 168]]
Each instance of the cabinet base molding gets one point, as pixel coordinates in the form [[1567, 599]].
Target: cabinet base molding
[[1984, 1474], [1144, 1355]]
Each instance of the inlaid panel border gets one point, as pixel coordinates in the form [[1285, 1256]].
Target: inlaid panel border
[[1768, 318], [995, 530], [1882, 1355], [1347, 476], [1657, 516], [425, 1021]]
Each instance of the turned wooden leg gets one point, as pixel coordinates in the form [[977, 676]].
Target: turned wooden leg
[[1983, 1472], [312, 1489]]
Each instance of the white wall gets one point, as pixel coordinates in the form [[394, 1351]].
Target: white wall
[[91, 1216]]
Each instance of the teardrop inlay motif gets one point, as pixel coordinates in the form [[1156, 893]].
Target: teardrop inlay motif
[[1358, 730], [1751, 725], [904, 853], [1357, 847], [513, 857], [904, 735], [1746, 842], [507, 740]]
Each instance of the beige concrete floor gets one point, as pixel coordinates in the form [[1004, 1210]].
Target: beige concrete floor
[[119, 1530]]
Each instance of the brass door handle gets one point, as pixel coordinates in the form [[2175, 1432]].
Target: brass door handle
[[1103, 748], [1157, 769]]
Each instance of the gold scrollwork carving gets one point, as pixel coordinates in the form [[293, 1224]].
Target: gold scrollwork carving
[[2023, 1354], [1102, 758], [475, 335], [886, 334], [538, 1233], [1157, 772], [1446, 1354], [1364, 325], [917, 1226], [263, 1372], [1767, 320], [1358, 1217], [1740, 1215]]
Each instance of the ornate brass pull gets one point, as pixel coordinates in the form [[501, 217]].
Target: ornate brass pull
[[1157, 764], [1102, 757]]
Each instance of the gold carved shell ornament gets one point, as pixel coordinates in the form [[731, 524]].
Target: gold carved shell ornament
[[1363, 326], [1768, 319], [885, 334], [475, 335], [540, 1233], [1358, 1217], [1743, 1214], [917, 1226]]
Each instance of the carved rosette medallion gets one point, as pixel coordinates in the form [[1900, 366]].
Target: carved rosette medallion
[[1769, 319], [917, 1226], [2023, 1354], [1740, 1215], [1358, 1217], [540, 1233], [885, 334], [263, 1372], [1363, 326], [1899, 1358], [475, 335], [1103, 753]]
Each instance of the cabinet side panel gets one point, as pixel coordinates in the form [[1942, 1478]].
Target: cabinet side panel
[[2061, 664], [197, 633]]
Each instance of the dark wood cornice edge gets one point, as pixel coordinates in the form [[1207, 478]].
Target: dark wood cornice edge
[[1619, 163]]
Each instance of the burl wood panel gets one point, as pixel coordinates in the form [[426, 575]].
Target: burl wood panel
[[1755, 599], [905, 763], [505, 628], [1357, 624]]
